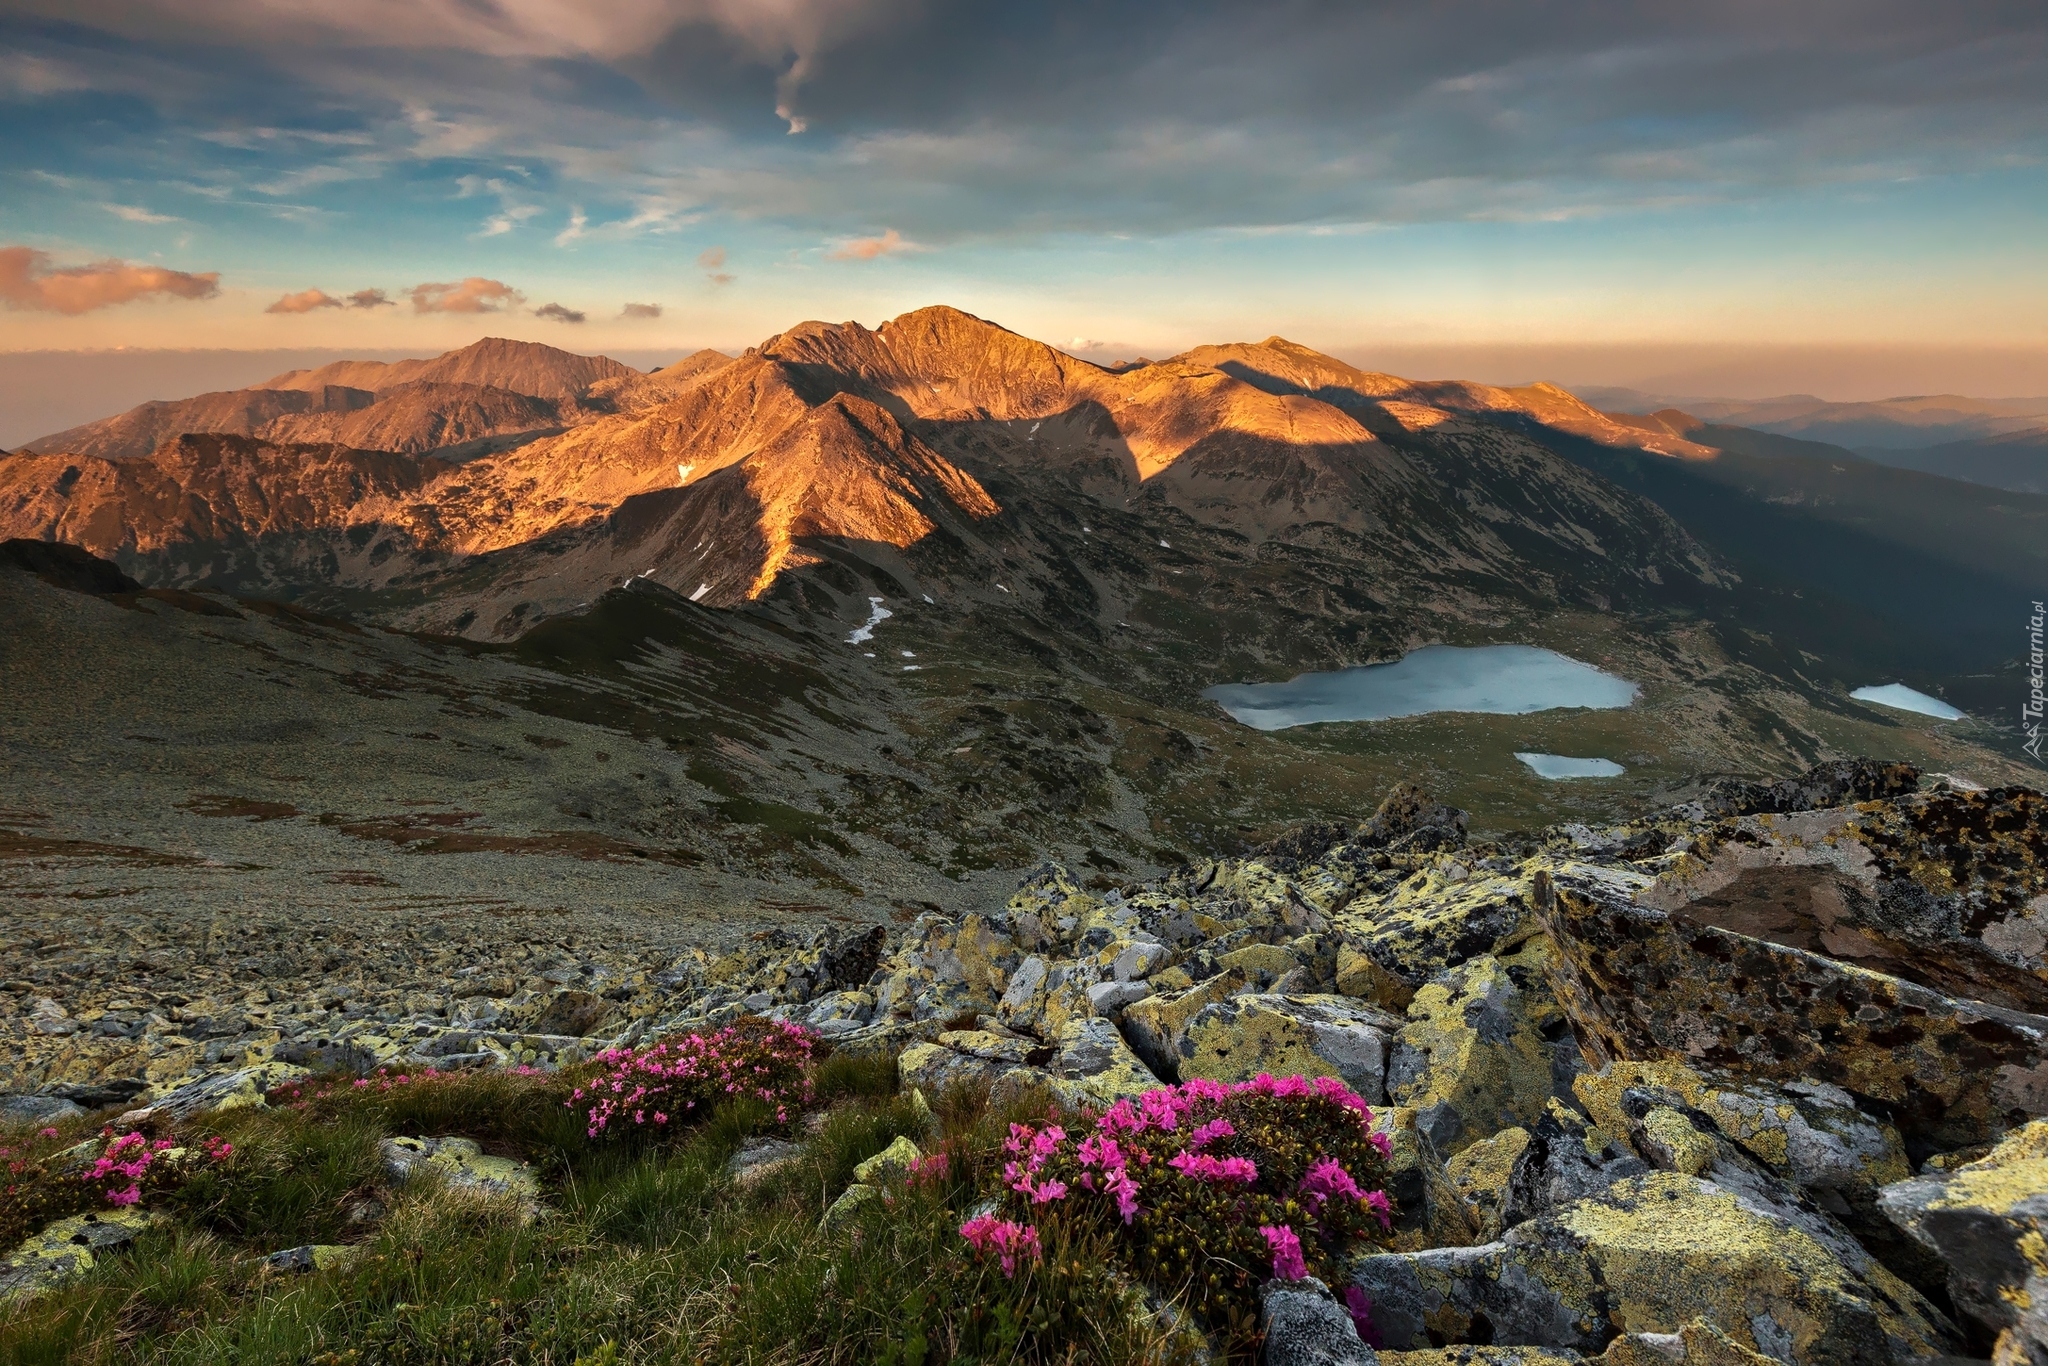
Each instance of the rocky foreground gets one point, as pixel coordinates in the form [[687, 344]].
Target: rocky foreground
[[1754, 1079]]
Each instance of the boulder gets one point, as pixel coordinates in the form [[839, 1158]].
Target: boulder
[[1654, 1253], [1481, 1175], [1564, 1161], [1429, 1210], [760, 1158], [1093, 1054], [1303, 1326], [1237, 1038], [850, 1202], [1392, 945], [311, 1257], [1466, 1355], [460, 1164], [1156, 1027], [1838, 782], [1988, 1223], [1480, 1051], [68, 1248], [893, 1163], [37, 1110], [1947, 889], [1642, 983]]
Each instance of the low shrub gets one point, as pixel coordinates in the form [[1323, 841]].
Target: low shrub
[[679, 1079], [1203, 1189]]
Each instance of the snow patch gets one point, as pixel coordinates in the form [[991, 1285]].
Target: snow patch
[[683, 474], [702, 589], [877, 614]]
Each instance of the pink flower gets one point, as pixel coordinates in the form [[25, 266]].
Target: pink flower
[[1327, 1178], [1203, 1167], [1005, 1237], [1358, 1304], [1284, 1247], [1381, 1206], [1210, 1132]]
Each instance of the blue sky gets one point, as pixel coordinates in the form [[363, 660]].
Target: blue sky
[[1112, 177]]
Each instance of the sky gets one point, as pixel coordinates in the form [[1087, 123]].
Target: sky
[[1845, 196]]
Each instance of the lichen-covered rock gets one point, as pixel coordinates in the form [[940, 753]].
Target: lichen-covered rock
[[37, 1110], [1304, 1326], [1807, 1132], [1565, 1160], [1480, 1052], [462, 1165], [1988, 1222], [1237, 1038], [1093, 1054], [850, 1202], [1642, 984], [311, 1257], [1436, 919], [68, 1248], [1429, 1210], [1654, 1253], [1466, 1355], [1157, 1026], [1699, 1343], [573, 1014], [759, 1158], [892, 1163], [1481, 1174], [1946, 889]]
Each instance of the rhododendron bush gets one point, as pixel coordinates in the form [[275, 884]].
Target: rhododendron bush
[[678, 1080], [1206, 1189]]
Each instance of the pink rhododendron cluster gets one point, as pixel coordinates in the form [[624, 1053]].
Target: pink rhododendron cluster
[[676, 1079], [126, 1161], [1009, 1240], [1212, 1186]]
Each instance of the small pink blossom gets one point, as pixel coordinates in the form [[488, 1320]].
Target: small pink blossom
[[1284, 1246], [1011, 1241]]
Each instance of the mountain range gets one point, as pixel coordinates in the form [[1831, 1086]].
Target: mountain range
[[896, 609]]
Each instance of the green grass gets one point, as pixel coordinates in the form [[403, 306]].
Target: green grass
[[647, 1253]]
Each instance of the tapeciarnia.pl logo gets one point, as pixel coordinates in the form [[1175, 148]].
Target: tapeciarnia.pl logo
[[2030, 713]]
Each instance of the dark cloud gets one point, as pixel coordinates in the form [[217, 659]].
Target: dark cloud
[[29, 281], [640, 311], [559, 313], [1106, 116], [369, 298]]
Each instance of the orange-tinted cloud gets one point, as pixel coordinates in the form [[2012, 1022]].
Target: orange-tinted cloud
[[305, 301], [473, 295], [640, 311], [28, 281], [560, 313], [711, 261], [369, 298], [868, 248]]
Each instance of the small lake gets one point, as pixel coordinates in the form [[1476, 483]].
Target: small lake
[[1507, 680], [1899, 697], [1555, 766]]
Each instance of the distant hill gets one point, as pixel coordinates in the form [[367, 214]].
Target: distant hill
[[1893, 423], [2013, 460], [476, 395]]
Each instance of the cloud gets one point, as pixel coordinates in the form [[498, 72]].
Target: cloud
[[558, 313], [131, 214], [369, 298], [28, 281], [711, 261], [871, 248], [473, 295], [578, 221], [305, 301], [640, 311]]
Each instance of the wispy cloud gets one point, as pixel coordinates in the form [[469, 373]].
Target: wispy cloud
[[475, 294], [578, 221], [29, 281], [871, 248], [130, 213], [640, 311], [711, 261]]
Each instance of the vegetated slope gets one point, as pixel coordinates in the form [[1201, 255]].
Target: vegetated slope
[[2017, 461], [471, 396]]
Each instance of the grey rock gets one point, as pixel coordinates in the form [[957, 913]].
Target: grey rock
[[1140, 961], [37, 1109], [1304, 1326], [1108, 998]]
